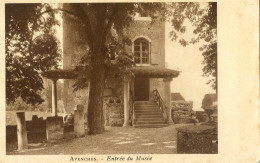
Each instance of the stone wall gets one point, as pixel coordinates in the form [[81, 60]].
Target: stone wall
[[113, 102], [114, 112], [155, 32], [73, 49], [181, 111], [163, 87], [113, 89], [73, 40], [157, 84]]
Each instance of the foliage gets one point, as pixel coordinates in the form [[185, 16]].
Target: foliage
[[31, 47], [204, 22], [19, 104], [102, 28]]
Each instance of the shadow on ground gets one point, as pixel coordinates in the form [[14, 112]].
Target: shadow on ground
[[115, 140]]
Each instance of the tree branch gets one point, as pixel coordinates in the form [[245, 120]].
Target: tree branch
[[110, 21]]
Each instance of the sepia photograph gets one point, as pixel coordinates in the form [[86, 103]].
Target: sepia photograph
[[117, 78], [122, 80]]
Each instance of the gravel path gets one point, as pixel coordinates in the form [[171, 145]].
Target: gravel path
[[115, 140]]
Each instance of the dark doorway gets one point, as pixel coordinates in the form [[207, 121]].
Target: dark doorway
[[141, 86]]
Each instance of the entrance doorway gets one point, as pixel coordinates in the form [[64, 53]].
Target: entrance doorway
[[141, 89]]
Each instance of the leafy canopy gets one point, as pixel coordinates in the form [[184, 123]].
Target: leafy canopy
[[31, 47], [203, 18]]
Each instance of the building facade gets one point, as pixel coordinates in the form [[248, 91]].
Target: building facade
[[151, 74]]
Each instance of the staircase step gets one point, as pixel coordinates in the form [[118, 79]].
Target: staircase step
[[147, 108], [148, 111], [149, 122], [150, 125], [149, 118], [148, 115], [146, 105]]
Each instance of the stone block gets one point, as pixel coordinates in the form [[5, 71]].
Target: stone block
[[197, 139], [108, 92], [21, 131], [54, 128], [79, 125], [114, 113], [116, 121]]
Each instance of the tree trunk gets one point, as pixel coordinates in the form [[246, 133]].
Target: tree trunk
[[95, 107], [96, 119]]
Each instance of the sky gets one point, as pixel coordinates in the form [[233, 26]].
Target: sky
[[188, 60]]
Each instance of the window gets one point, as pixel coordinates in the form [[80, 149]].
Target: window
[[141, 51]]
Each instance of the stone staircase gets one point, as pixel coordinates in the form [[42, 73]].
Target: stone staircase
[[148, 115]]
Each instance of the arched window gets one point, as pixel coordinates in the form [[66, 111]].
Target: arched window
[[141, 51]]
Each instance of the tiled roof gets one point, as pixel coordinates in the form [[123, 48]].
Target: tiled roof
[[154, 72], [145, 71]]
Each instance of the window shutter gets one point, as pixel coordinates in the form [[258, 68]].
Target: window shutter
[[155, 52]]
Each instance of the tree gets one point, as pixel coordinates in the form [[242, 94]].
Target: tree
[[204, 21], [103, 26], [31, 47]]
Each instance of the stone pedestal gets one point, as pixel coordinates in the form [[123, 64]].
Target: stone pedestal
[[79, 126], [54, 128], [21, 131], [201, 139]]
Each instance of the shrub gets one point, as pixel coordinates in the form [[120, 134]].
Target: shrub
[[19, 104]]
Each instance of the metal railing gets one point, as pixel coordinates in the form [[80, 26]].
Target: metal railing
[[132, 109], [159, 101], [134, 119]]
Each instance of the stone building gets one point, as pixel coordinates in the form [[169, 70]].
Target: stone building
[[150, 88]]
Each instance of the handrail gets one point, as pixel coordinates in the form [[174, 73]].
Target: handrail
[[134, 115], [159, 101], [132, 109]]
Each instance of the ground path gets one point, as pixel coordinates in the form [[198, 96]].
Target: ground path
[[115, 140]]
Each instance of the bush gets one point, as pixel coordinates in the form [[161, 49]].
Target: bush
[[19, 104]]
